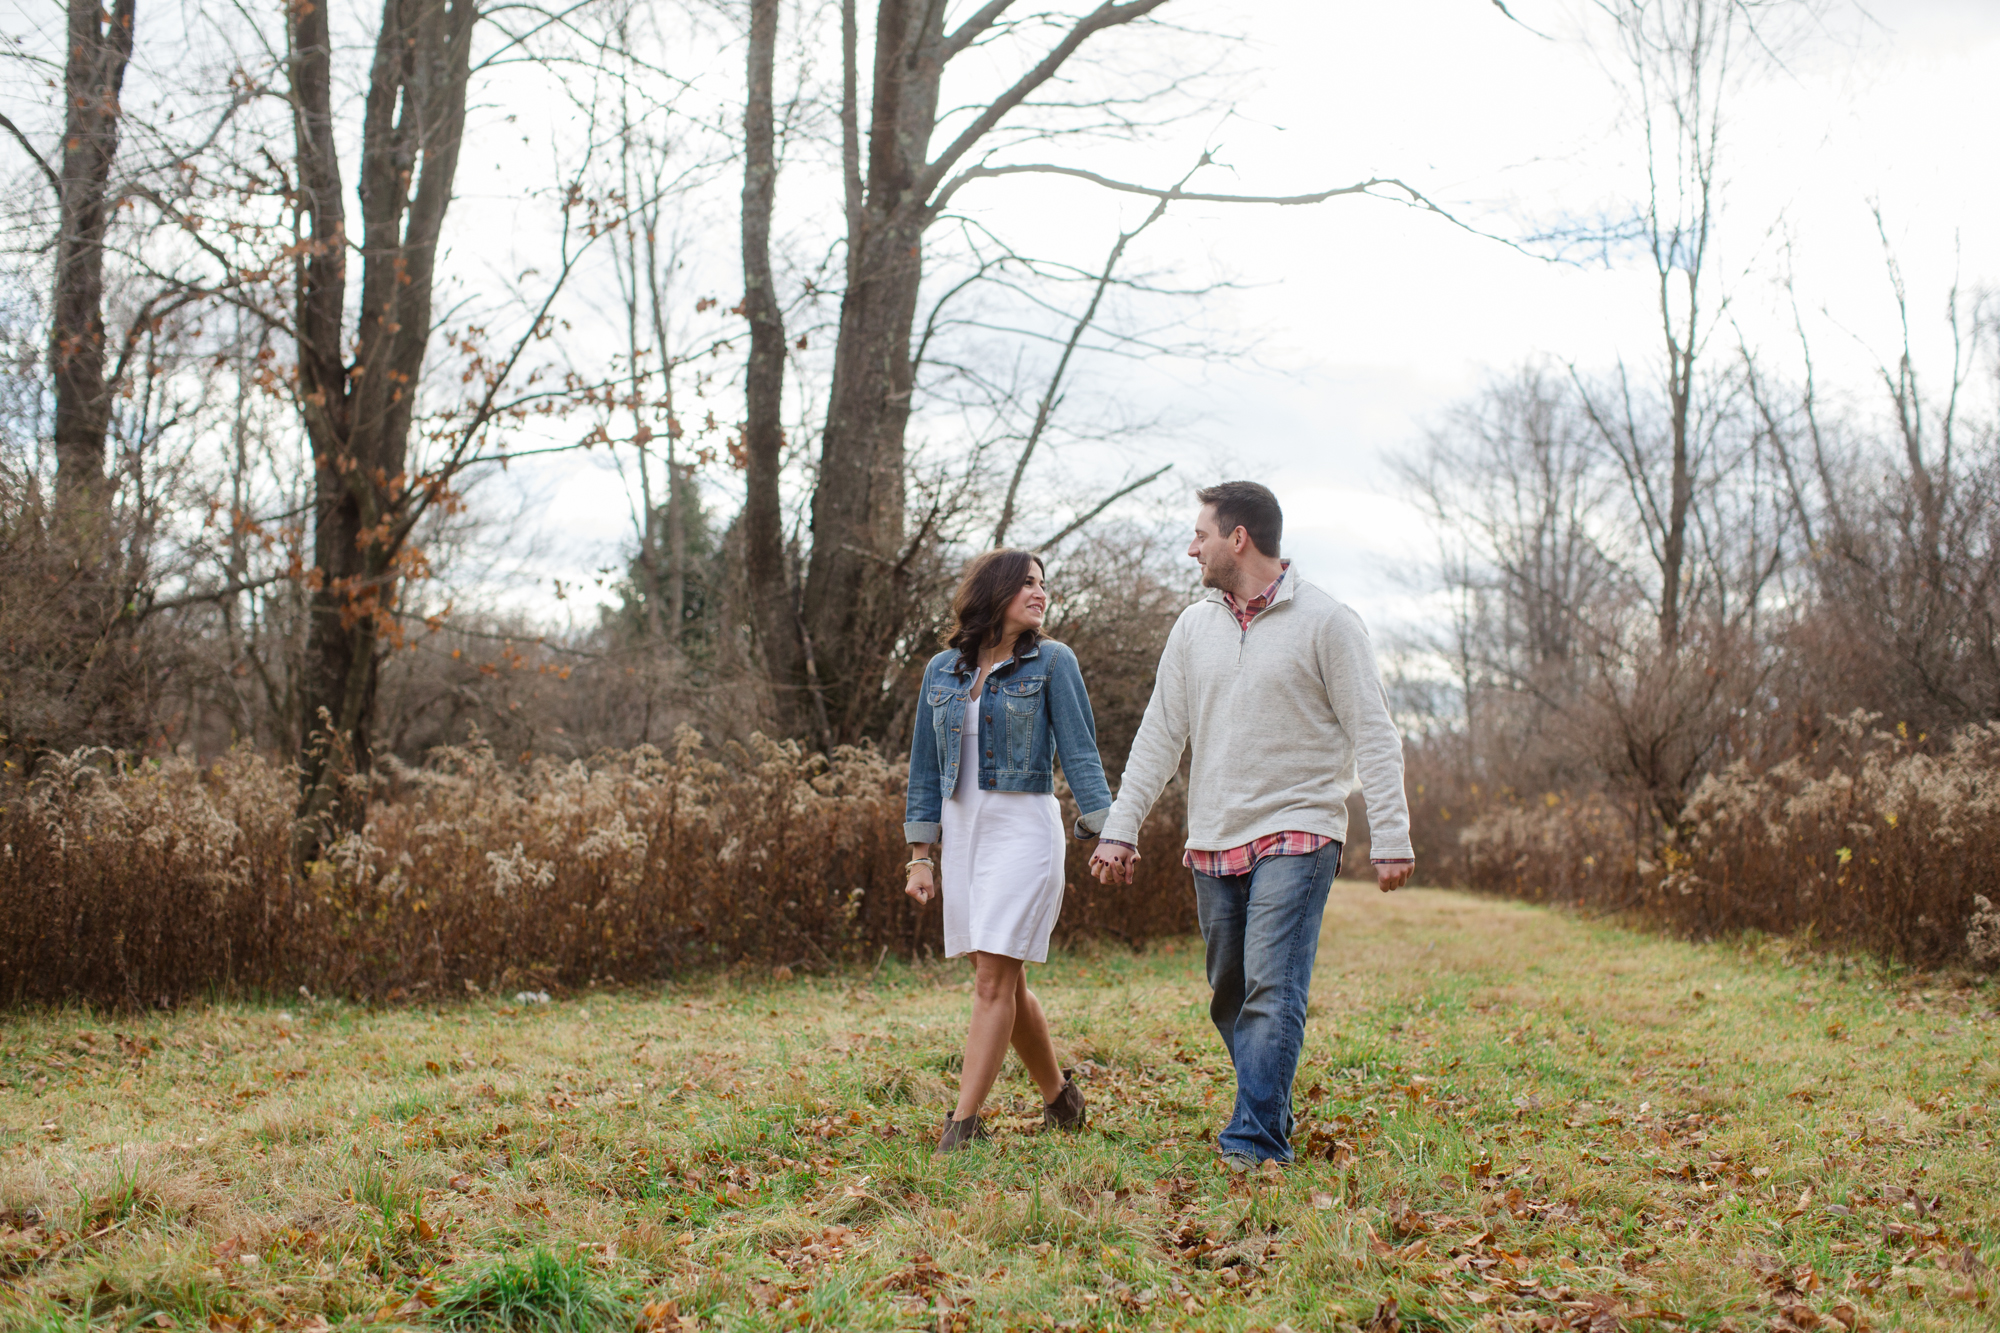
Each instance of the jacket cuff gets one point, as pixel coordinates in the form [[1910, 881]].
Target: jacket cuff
[[1092, 824], [923, 832]]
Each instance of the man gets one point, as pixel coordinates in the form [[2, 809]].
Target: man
[[1276, 687]]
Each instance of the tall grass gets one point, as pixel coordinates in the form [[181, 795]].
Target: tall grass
[[1875, 840], [143, 884]]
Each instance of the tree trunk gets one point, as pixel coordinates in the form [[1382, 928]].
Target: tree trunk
[[358, 414], [764, 381], [1680, 490], [679, 479], [99, 51], [856, 595], [851, 593], [857, 514]]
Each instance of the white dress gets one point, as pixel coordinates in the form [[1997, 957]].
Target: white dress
[[1002, 862]]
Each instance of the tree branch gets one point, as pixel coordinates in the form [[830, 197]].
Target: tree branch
[[55, 181], [1502, 7], [850, 131], [1172, 193], [968, 31], [1107, 15], [1416, 199], [489, 406], [1108, 501], [1046, 408], [214, 595]]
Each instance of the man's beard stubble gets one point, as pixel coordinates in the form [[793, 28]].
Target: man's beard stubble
[[1220, 571]]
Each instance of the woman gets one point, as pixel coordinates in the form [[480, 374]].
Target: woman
[[1006, 701]]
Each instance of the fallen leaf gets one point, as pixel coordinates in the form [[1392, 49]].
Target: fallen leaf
[[1405, 1220]]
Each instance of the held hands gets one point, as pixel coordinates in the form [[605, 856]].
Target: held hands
[[1112, 864]]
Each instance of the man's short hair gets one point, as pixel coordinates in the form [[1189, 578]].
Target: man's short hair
[[1246, 505]]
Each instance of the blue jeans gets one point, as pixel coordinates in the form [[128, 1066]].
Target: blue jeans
[[1262, 933]]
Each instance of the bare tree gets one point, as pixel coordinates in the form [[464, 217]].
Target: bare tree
[[130, 377], [358, 410], [653, 167], [857, 584], [1051, 396], [785, 643], [1688, 455], [860, 549], [1680, 64], [1899, 518], [100, 47], [1521, 499]]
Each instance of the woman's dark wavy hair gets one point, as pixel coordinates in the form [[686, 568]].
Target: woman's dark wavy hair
[[979, 607]]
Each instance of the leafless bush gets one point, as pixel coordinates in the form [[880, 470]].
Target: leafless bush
[[145, 884], [1875, 840], [1119, 591], [1160, 900], [1553, 847], [75, 666]]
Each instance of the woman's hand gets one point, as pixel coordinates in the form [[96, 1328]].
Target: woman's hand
[[922, 883]]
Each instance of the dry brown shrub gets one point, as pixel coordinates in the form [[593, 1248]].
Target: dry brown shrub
[[1160, 899], [138, 884], [1874, 840], [1557, 847], [147, 884]]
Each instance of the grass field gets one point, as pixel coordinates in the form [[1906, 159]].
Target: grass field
[[1509, 1118]]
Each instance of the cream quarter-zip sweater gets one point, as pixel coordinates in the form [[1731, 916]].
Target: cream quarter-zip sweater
[[1284, 718]]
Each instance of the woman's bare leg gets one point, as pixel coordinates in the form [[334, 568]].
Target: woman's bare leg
[[996, 987], [1032, 1042]]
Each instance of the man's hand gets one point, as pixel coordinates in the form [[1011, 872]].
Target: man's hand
[[1393, 875], [1113, 864]]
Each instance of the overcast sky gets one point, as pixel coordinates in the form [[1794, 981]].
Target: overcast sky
[[1373, 321], [1368, 321]]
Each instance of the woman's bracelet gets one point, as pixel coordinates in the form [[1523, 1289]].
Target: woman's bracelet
[[920, 861]]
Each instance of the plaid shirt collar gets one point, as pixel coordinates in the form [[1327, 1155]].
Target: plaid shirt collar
[[1247, 612]]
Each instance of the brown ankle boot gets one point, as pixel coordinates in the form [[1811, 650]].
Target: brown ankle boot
[[958, 1133], [1067, 1110]]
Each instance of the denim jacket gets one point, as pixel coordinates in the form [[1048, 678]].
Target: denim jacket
[[1036, 703]]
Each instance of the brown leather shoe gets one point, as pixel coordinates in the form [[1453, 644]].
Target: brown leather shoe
[[959, 1133], [1067, 1110]]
